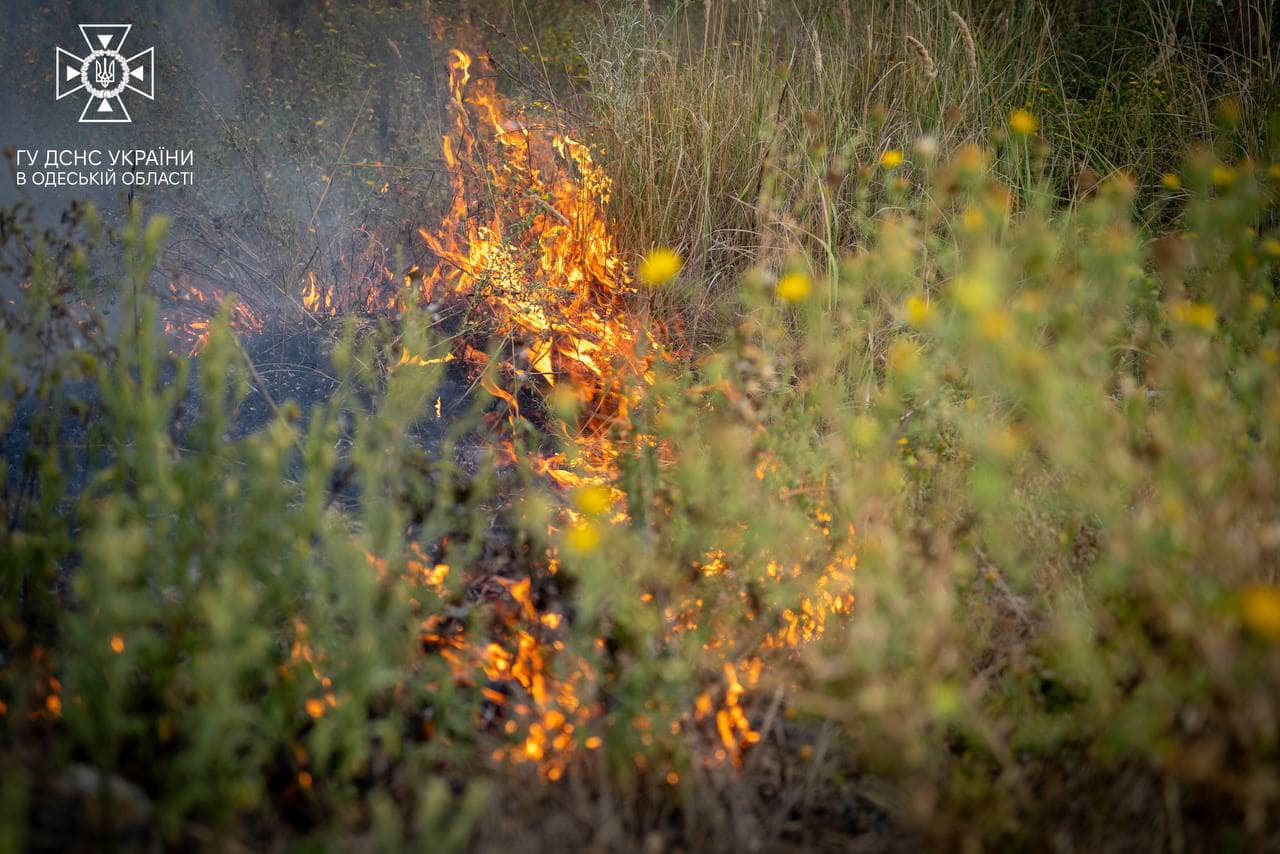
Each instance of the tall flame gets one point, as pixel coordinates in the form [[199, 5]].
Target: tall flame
[[525, 245], [526, 236]]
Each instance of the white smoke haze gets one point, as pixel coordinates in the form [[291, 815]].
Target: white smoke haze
[[314, 130]]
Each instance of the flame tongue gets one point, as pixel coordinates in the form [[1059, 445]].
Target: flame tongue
[[525, 240], [191, 308], [526, 236]]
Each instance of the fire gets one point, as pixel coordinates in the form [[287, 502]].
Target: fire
[[527, 238], [526, 248], [543, 261], [192, 309]]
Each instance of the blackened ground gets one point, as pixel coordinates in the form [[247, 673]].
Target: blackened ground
[[292, 365]]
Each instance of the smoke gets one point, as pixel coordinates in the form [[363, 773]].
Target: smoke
[[315, 133]]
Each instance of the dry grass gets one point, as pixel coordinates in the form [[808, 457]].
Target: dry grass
[[750, 127]]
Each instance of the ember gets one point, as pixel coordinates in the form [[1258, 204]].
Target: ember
[[194, 306]]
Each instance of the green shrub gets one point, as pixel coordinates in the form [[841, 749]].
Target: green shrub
[[1054, 438], [201, 620]]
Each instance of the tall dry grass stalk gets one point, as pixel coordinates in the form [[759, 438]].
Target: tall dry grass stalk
[[970, 47], [699, 110], [927, 65], [697, 131]]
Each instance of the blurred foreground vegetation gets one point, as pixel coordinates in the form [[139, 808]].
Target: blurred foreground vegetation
[[1013, 342]]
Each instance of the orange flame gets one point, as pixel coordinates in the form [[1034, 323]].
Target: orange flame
[[527, 236], [194, 306]]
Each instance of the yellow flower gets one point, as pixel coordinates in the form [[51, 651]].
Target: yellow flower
[[970, 161], [891, 159], [1023, 123], [794, 287], [1223, 176], [1271, 246], [903, 357], [972, 219], [918, 311], [1171, 181], [1198, 314], [594, 500], [315, 707], [583, 537], [994, 325], [975, 291], [1260, 611], [659, 267]]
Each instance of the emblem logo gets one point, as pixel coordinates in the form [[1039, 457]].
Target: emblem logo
[[105, 73]]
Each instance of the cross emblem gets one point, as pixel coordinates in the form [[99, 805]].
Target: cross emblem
[[105, 73]]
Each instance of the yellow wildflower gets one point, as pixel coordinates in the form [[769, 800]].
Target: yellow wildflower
[[1223, 176], [1171, 181], [583, 537], [994, 325], [891, 159], [1023, 123], [903, 357], [594, 500], [970, 159], [659, 267], [918, 311], [1260, 611], [1271, 246], [1198, 314], [972, 219], [975, 291], [794, 287]]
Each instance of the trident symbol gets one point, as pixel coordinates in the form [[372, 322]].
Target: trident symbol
[[104, 72]]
